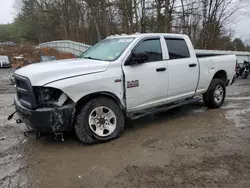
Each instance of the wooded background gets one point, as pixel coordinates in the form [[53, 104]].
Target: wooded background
[[207, 22]]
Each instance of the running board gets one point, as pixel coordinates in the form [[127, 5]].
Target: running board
[[162, 108]]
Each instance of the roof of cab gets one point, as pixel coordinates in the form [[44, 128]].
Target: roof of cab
[[146, 35]]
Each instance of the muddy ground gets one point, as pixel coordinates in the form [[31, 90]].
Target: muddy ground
[[190, 146]]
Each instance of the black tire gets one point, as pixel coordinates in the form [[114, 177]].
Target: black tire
[[82, 128], [245, 75], [209, 98]]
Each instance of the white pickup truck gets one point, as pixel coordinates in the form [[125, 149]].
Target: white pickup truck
[[123, 76]]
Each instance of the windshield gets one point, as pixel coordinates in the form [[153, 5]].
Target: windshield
[[107, 49]]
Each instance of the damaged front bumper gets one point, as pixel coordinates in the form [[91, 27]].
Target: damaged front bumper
[[49, 119]]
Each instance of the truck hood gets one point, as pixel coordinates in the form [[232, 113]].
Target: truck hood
[[41, 74]]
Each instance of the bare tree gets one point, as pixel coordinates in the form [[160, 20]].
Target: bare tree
[[205, 21]]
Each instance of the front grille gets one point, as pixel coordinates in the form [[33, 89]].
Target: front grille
[[25, 93]]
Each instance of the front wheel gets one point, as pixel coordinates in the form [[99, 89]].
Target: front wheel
[[215, 95], [100, 120]]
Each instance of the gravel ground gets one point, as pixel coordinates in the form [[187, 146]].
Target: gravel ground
[[189, 146]]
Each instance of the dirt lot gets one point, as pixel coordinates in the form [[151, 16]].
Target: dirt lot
[[189, 146]]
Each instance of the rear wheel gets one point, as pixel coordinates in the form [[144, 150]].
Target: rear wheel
[[215, 95], [100, 120], [245, 75]]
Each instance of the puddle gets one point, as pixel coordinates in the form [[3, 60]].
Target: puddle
[[238, 98], [236, 110], [199, 110], [11, 178], [9, 158], [236, 116], [232, 106], [12, 173], [12, 168]]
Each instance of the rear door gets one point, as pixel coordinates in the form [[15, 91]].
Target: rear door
[[146, 84], [183, 69]]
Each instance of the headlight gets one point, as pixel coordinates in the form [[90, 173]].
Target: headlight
[[49, 94], [46, 96]]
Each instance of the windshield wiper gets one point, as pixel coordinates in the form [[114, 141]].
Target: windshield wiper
[[88, 57]]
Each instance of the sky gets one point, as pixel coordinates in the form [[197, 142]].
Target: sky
[[6, 11], [241, 26]]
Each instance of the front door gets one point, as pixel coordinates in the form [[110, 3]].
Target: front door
[[146, 84]]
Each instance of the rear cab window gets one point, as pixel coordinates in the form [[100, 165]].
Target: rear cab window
[[177, 48]]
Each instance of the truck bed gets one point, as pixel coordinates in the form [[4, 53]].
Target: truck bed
[[214, 63]]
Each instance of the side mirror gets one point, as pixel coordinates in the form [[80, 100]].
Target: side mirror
[[137, 58]]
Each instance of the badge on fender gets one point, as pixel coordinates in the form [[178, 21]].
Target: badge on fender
[[133, 83]]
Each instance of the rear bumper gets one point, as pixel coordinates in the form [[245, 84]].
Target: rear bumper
[[47, 119], [5, 66]]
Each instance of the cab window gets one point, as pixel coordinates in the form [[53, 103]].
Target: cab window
[[177, 48], [152, 47]]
